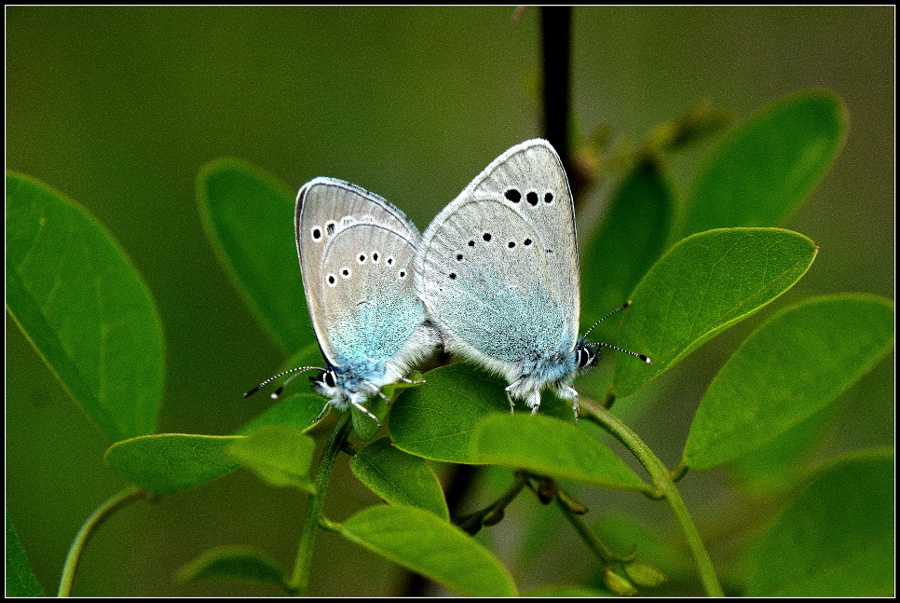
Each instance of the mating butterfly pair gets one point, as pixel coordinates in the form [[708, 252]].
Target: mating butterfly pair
[[495, 279]]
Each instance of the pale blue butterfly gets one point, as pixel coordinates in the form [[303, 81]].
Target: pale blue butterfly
[[498, 272], [356, 255]]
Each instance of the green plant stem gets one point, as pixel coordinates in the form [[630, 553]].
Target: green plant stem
[[299, 584], [662, 479], [90, 526], [604, 554]]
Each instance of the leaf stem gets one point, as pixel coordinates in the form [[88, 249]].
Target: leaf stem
[[662, 479], [605, 555], [119, 500], [299, 583]]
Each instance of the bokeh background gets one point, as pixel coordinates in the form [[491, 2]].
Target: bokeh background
[[119, 108]]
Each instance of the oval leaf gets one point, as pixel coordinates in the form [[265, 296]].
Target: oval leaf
[[767, 167], [296, 411], [232, 563], [548, 446], [435, 421], [700, 287], [836, 538], [249, 217], [20, 580], [793, 365], [84, 308], [279, 455], [171, 462], [399, 478], [631, 238], [419, 541]]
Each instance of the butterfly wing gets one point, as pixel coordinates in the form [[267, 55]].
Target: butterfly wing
[[332, 220], [498, 267]]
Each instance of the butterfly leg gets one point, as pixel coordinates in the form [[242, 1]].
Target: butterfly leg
[[534, 400], [567, 392], [321, 414], [512, 386], [365, 411]]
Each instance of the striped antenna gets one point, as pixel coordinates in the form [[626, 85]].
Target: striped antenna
[[277, 392]]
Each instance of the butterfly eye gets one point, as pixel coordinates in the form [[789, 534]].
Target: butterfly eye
[[329, 379]]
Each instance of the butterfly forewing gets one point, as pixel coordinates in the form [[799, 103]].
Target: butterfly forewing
[[499, 266], [325, 208]]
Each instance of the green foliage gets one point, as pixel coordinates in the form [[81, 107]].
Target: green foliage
[[548, 446], [171, 462], [421, 542], [243, 210], [89, 315], [792, 366], [20, 580], [700, 287], [280, 456], [836, 538], [766, 168], [232, 563], [83, 307], [632, 236], [399, 478], [437, 421]]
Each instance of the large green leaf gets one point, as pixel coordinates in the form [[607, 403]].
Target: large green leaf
[[631, 238], [249, 217], [84, 308], [701, 286], [793, 365], [420, 541], [767, 167], [399, 478], [280, 456], [435, 421], [171, 462], [232, 563], [836, 538], [20, 580], [548, 446]]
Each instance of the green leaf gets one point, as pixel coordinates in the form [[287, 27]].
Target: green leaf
[[249, 217], [631, 238], [399, 478], [773, 469], [365, 428], [420, 541], [435, 421], [83, 306], [793, 365], [700, 287], [280, 456], [768, 166], [296, 411], [836, 538], [232, 563], [548, 446], [20, 580], [171, 462]]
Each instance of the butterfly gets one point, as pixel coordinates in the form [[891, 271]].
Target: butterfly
[[356, 255], [498, 272]]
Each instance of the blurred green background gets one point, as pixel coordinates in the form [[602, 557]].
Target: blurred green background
[[118, 108]]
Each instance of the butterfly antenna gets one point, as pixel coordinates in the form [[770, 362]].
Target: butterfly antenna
[[297, 370], [624, 351], [619, 309]]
